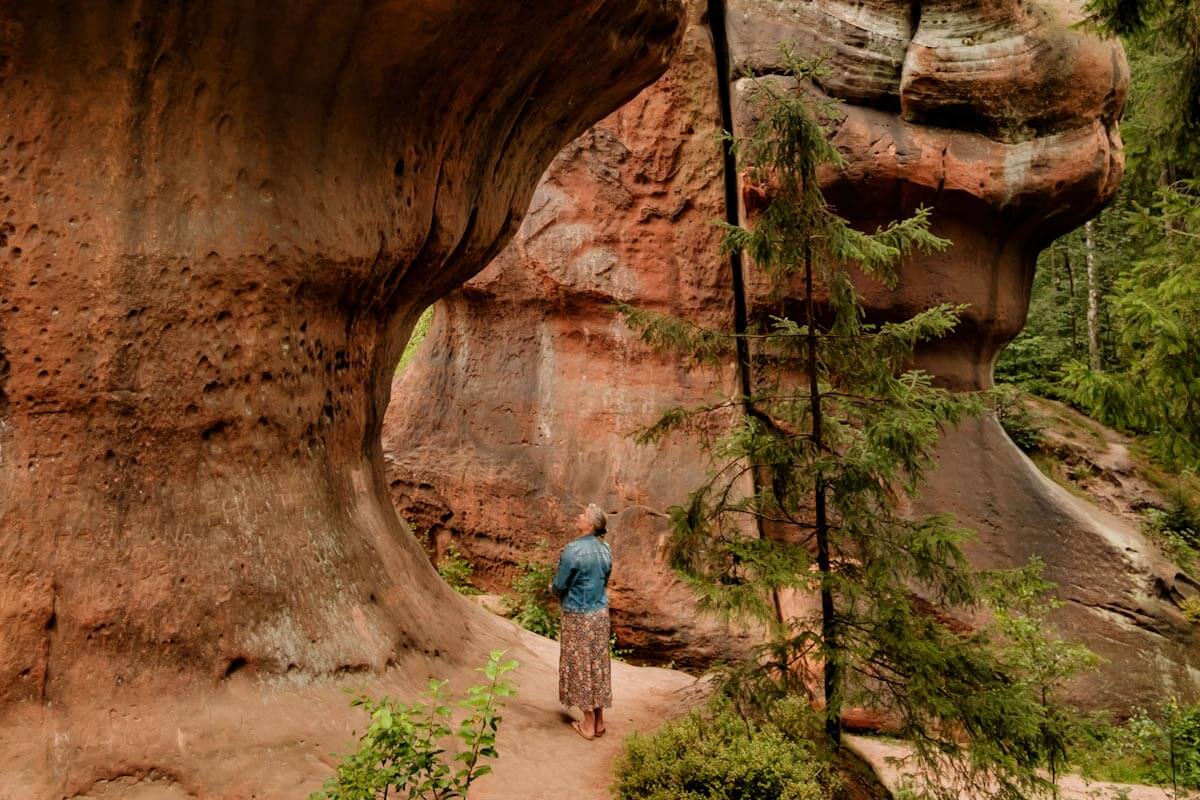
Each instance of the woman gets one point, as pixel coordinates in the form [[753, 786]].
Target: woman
[[584, 670]]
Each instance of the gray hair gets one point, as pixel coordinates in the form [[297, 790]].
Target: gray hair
[[598, 519]]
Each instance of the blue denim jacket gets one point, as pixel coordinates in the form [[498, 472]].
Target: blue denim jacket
[[583, 570]]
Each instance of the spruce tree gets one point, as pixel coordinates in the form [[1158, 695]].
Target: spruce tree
[[812, 473], [1156, 312], [1153, 386]]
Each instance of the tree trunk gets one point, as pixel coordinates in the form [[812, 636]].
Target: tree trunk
[[1066, 254], [1093, 297], [833, 710]]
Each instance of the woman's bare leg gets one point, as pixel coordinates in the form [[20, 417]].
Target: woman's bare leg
[[598, 721]]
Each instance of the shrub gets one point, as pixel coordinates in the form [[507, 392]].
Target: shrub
[[1183, 520], [717, 755], [1018, 422], [1191, 609], [533, 605], [1176, 530], [1161, 748], [404, 754], [456, 570]]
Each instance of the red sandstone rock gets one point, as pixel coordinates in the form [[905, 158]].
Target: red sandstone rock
[[1000, 116], [625, 213], [218, 221]]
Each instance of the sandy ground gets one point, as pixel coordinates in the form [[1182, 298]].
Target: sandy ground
[[247, 740], [879, 753], [541, 758]]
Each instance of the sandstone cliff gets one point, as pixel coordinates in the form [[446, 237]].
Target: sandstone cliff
[[218, 222], [1000, 115]]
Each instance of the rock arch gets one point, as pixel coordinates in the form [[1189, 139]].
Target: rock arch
[[219, 221]]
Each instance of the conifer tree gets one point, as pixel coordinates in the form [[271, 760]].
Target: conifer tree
[[1156, 310], [812, 471]]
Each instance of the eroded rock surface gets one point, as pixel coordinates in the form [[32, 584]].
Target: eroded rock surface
[[218, 221], [1001, 116], [546, 386]]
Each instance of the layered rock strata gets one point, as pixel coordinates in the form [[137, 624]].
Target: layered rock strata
[[218, 222], [1002, 117]]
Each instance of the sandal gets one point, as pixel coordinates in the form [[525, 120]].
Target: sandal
[[575, 726]]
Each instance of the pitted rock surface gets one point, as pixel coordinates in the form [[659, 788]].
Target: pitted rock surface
[[218, 221]]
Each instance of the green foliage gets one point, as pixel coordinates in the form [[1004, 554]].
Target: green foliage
[[1177, 530], [1156, 309], [532, 605], [1055, 332], [456, 570], [1191, 609], [419, 332], [718, 755], [1021, 425], [1162, 748], [1162, 126], [1147, 252], [835, 437], [409, 751]]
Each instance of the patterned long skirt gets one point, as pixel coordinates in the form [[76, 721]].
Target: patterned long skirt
[[584, 667]]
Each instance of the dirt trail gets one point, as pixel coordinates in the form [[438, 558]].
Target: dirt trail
[[880, 755], [541, 758]]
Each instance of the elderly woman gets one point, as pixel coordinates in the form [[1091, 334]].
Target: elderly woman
[[584, 670]]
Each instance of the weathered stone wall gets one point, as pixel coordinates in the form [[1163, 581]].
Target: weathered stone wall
[[218, 221], [547, 386], [1002, 117]]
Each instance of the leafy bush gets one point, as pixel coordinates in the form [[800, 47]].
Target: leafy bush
[[1191, 609], [533, 605], [403, 752], [1184, 520], [1177, 530], [1026, 431], [1034, 362], [717, 755], [456, 570], [1161, 749]]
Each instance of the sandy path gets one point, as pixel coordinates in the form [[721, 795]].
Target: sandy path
[[541, 758], [877, 753]]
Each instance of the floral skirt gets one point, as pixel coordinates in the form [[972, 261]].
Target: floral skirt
[[584, 666]]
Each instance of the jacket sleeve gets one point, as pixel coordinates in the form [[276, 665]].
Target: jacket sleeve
[[566, 574]]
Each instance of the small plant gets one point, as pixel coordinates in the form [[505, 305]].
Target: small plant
[[456, 570], [1191, 609], [719, 755], [419, 332], [615, 651], [404, 754], [1177, 532], [1026, 431], [533, 605], [1162, 748], [1183, 520]]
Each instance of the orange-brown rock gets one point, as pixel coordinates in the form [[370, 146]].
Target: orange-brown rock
[[1001, 116], [546, 385], [218, 221]]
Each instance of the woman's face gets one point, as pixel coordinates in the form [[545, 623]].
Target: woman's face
[[583, 524]]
